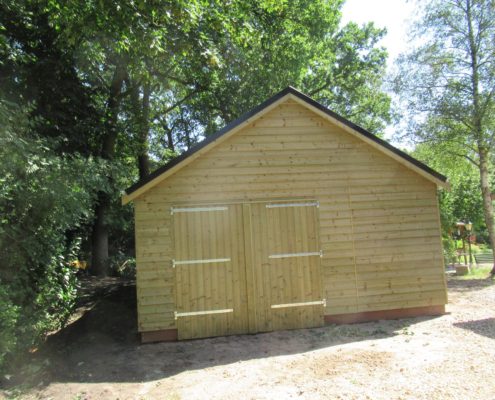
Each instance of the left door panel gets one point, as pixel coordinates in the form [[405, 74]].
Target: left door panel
[[210, 271]]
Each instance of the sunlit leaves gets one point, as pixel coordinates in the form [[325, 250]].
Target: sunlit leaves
[[449, 78]]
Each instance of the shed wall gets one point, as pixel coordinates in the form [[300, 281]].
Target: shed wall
[[379, 223]]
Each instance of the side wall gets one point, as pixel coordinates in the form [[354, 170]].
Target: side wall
[[379, 222]]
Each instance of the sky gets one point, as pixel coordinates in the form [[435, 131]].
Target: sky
[[391, 14]]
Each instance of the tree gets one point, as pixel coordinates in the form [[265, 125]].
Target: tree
[[298, 43], [174, 68], [43, 198], [136, 83], [447, 85], [348, 76], [117, 45], [463, 202], [94, 94], [35, 69]]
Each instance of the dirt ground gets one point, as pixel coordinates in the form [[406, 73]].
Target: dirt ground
[[449, 357]]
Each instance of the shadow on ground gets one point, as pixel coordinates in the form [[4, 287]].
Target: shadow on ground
[[484, 327], [460, 285], [103, 345]]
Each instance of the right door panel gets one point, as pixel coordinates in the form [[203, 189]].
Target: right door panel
[[286, 258]]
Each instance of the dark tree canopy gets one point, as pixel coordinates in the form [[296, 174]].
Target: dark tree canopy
[[94, 94]]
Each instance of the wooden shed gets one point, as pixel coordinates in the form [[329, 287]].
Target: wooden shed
[[289, 217]]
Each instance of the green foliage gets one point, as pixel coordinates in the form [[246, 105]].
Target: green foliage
[[463, 202], [447, 88], [123, 266], [475, 273], [300, 44], [347, 76], [36, 69], [227, 58], [8, 323], [447, 79], [44, 197], [449, 249]]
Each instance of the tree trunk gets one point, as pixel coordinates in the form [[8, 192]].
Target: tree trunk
[[487, 200], [141, 111], [483, 149], [99, 239], [144, 127], [99, 235], [170, 137]]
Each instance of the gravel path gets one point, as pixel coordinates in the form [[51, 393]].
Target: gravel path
[[448, 357]]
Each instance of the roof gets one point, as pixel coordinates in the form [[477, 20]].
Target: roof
[[146, 183]]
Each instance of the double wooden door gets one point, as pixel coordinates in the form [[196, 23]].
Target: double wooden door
[[247, 268]]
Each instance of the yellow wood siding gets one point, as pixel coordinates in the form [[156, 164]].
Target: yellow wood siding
[[210, 271], [379, 226], [291, 229]]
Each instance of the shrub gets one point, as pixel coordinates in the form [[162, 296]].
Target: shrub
[[8, 323], [44, 198], [449, 254], [123, 266]]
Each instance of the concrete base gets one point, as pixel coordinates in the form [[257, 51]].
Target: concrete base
[[170, 335], [164, 335], [385, 314]]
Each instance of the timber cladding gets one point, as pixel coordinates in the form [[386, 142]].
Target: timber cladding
[[286, 221]]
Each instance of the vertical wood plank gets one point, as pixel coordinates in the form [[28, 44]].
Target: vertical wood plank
[[251, 292], [226, 268], [304, 274], [205, 286], [287, 230]]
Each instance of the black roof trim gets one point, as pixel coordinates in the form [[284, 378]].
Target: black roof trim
[[256, 110]]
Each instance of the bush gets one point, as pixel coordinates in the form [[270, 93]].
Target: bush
[[449, 253], [8, 323], [44, 198], [123, 266]]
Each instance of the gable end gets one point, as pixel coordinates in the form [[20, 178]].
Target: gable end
[[179, 162]]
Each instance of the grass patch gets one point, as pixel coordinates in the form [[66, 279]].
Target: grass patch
[[477, 273]]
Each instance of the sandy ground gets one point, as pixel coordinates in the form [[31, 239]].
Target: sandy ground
[[448, 357]]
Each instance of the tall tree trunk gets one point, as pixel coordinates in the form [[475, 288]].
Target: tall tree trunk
[[483, 150], [144, 127], [99, 236], [487, 201], [141, 111], [170, 138]]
